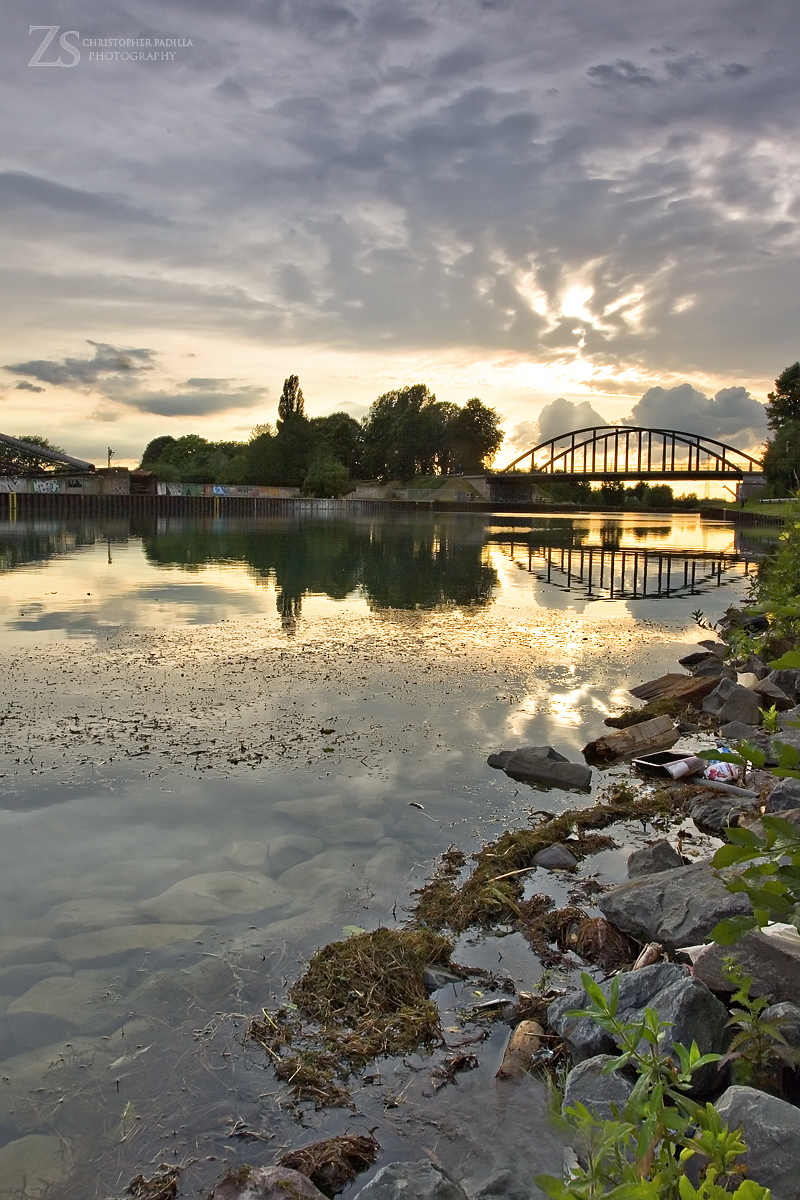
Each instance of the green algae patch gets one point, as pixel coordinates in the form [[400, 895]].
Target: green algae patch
[[493, 891], [356, 1000]]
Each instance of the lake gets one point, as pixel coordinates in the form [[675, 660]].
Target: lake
[[223, 741]]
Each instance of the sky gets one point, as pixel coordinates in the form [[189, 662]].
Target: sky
[[578, 212]]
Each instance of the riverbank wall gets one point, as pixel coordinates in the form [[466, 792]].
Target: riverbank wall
[[23, 500]]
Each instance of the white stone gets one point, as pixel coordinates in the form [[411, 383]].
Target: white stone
[[88, 1001], [214, 896], [31, 1166], [356, 830], [285, 852], [77, 916], [15, 950], [247, 854], [104, 944]]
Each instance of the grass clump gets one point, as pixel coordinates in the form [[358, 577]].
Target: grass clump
[[356, 1000], [493, 892], [664, 706]]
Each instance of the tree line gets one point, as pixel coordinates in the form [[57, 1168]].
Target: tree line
[[407, 433]]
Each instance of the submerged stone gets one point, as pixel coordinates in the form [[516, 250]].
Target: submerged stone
[[357, 829], [112, 943], [32, 1166], [78, 916], [404, 1180], [214, 896], [15, 950], [88, 1001]]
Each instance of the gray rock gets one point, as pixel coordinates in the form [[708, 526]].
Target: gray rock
[[771, 1132], [268, 1183], [699, 658], [79, 916], [412, 1181], [740, 704], [756, 666], [543, 764], [504, 1185], [788, 680], [714, 700], [714, 813], [771, 694], [787, 1018], [737, 731], [555, 858], [772, 962], [784, 796], [103, 945], [586, 1084], [789, 718], [89, 1002], [658, 856], [676, 908], [498, 761], [637, 990], [289, 850], [792, 815], [695, 1015], [716, 647], [789, 737], [713, 666]]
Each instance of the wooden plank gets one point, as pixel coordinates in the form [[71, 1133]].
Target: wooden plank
[[679, 687]]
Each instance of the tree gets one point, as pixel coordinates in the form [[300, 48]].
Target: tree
[[154, 449], [14, 460], [784, 402], [338, 436], [782, 459], [327, 478], [291, 403], [475, 437]]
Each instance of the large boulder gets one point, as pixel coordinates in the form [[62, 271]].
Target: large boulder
[[587, 1085], [676, 908], [771, 694], [784, 797], [542, 765], [713, 812], [771, 1132], [412, 1181], [741, 704], [771, 960], [714, 701], [658, 856], [788, 680], [787, 1018], [637, 989]]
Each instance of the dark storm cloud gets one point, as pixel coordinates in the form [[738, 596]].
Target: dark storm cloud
[[22, 385], [429, 175], [84, 372]]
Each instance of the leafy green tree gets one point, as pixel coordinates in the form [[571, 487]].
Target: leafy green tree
[[782, 459], [784, 402], [326, 478], [474, 435], [399, 435], [155, 448], [340, 437], [612, 493], [291, 403]]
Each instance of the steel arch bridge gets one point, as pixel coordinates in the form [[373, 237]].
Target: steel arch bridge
[[627, 452]]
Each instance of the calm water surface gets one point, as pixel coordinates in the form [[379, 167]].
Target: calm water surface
[[223, 741]]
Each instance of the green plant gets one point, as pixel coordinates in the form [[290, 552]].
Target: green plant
[[769, 874], [641, 1153], [769, 719], [758, 1045]]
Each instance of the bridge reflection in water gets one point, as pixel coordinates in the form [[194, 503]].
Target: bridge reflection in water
[[611, 573]]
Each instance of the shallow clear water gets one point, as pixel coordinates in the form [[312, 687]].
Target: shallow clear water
[[288, 720]]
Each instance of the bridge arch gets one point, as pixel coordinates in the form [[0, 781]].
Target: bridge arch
[[629, 452]]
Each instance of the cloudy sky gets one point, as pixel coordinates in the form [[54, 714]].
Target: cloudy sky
[[539, 202]]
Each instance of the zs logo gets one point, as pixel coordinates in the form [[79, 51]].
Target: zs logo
[[52, 30]]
